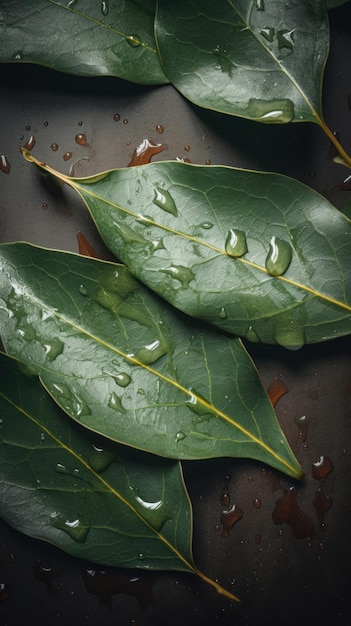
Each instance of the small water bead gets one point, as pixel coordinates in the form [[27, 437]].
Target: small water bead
[[125, 121], [229, 518], [116, 117], [236, 244], [81, 139], [122, 379], [83, 290], [104, 7], [206, 225], [180, 436], [279, 256], [54, 147], [164, 200], [4, 164], [223, 313], [100, 458], [256, 503], [53, 349], [133, 40], [67, 156], [322, 467], [251, 335], [285, 39], [159, 129]]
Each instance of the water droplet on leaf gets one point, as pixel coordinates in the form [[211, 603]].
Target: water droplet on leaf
[[223, 313], [235, 244], [133, 40], [104, 7], [279, 256], [206, 225], [100, 458], [251, 335], [122, 379], [181, 273], [164, 200], [180, 435], [285, 39], [53, 349], [151, 352], [271, 111], [115, 403], [75, 529], [268, 33]]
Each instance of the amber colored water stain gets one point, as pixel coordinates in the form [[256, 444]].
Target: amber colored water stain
[[229, 518], [287, 510], [85, 248], [276, 389], [4, 164], [4, 592], [145, 151], [44, 574], [322, 468], [322, 504]]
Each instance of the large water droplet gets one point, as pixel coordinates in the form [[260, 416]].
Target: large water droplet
[[133, 40], [151, 352], [76, 528], [164, 200], [289, 335], [285, 39], [122, 379], [236, 244], [268, 33], [279, 256], [180, 436], [271, 111], [115, 403], [72, 3], [53, 349], [181, 273], [199, 407], [100, 458]]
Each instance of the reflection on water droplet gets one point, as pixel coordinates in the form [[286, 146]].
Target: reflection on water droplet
[[76, 529], [151, 352], [29, 145], [164, 200], [67, 156], [251, 335], [4, 164], [235, 244], [181, 273], [104, 7], [83, 290], [260, 5], [116, 117], [322, 504], [54, 147], [268, 33], [229, 518], [180, 435], [100, 458], [289, 336], [322, 467], [115, 403], [287, 510], [122, 379], [133, 41], [199, 406], [71, 3], [285, 39], [81, 139], [223, 313], [271, 111], [279, 256], [53, 349]]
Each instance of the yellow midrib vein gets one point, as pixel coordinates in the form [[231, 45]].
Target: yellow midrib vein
[[118, 495]]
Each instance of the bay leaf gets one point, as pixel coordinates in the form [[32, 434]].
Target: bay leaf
[[93, 499], [258, 59], [257, 254], [125, 364], [83, 37]]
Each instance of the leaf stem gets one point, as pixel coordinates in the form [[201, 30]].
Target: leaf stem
[[345, 158]]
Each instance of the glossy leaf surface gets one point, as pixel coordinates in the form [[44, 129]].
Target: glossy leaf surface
[[258, 59], [123, 363], [84, 37], [257, 254], [95, 499]]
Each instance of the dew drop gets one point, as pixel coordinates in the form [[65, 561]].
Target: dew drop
[[206, 225], [271, 111], [289, 335], [29, 145], [104, 7], [81, 139], [187, 148], [100, 458], [125, 121], [260, 5], [251, 335], [223, 313], [4, 164], [164, 200], [279, 256], [76, 529], [115, 403], [287, 510], [159, 129], [67, 156], [229, 518], [151, 352], [322, 504], [72, 3], [122, 379], [116, 117], [180, 436], [199, 407], [322, 467], [83, 290], [53, 349], [256, 503], [268, 33], [54, 147], [181, 273], [235, 244], [133, 40]]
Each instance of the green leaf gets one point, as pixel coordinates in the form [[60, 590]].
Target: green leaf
[[258, 59], [332, 4], [94, 499], [123, 363], [84, 37], [210, 239]]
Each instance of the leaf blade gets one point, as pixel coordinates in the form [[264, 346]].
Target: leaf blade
[[122, 363], [258, 60], [84, 38]]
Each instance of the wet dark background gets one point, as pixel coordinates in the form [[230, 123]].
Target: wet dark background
[[288, 558]]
